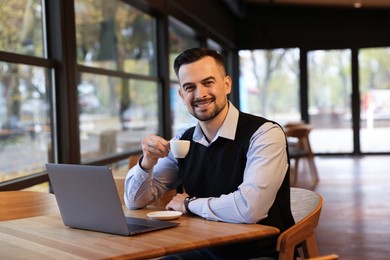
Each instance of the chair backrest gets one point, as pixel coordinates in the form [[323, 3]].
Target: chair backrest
[[120, 186], [24, 204], [306, 208], [301, 133], [294, 123], [325, 257], [133, 160]]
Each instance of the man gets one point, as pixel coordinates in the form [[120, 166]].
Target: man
[[237, 167]]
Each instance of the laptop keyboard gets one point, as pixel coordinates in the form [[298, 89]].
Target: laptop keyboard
[[137, 227]]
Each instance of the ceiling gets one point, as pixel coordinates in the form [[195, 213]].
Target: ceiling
[[324, 3], [239, 7]]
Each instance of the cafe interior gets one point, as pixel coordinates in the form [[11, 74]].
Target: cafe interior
[[84, 81]]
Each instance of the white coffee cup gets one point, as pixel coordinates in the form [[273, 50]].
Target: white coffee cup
[[180, 148]]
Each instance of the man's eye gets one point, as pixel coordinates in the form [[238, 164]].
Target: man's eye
[[188, 88], [208, 83]]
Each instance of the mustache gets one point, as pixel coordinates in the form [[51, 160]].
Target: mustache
[[203, 100]]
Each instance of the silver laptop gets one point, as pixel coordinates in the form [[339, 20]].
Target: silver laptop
[[88, 199]]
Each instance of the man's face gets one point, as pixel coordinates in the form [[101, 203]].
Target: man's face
[[204, 88]]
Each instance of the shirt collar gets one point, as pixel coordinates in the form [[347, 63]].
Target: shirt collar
[[227, 129]]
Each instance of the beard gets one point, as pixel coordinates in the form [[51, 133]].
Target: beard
[[206, 115]]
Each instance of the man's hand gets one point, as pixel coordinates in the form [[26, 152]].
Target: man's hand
[[177, 203], [153, 148]]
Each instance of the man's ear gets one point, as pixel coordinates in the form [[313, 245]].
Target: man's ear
[[228, 84], [180, 93]]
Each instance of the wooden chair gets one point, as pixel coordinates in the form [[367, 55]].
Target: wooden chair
[[301, 149], [325, 257], [133, 159], [24, 204], [306, 208], [294, 123], [120, 187]]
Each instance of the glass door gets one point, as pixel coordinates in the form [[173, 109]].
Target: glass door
[[269, 84], [329, 96], [374, 90]]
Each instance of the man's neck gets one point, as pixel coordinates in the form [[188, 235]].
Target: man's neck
[[211, 127]]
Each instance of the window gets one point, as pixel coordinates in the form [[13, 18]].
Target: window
[[25, 91], [25, 124], [22, 27], [181, 38], [330, 89], [269, 84], [115, 36], [115, 114], [118, 86], [374, 88]]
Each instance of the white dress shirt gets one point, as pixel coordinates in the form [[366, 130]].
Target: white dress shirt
[[265, 170]]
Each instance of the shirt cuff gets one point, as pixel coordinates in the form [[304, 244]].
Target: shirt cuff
[[195, 206]]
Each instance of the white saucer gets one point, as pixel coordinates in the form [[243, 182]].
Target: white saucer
[[164, 215]]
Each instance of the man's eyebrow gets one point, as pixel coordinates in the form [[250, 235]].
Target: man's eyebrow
[[208, 78], [203, 80], [187, 84]]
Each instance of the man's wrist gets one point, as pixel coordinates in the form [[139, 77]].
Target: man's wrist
[[144, 164], [187, 202]]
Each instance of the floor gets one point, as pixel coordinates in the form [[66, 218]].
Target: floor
[[355, 219]]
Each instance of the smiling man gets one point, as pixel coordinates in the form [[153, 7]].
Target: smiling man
[[237, 169]]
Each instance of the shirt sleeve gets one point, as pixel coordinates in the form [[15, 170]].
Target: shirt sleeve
[[143, 187], [264, 173]]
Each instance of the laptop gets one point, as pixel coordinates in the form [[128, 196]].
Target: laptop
[[88, 199]]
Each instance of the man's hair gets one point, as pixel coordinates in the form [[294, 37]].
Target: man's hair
[[195, 54]]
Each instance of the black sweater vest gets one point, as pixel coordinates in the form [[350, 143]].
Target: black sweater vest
[[218, 169]]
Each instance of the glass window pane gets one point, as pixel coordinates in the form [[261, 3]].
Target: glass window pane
[[115, 114], [269, 84], [330, 89], [181, 38], [374, 65], [25, 127], [114, 35], [182, 119], [21, 27]]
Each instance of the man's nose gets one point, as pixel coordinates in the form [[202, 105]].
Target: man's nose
[[201, 91]]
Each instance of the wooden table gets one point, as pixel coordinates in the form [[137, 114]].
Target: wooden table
[[45, 237], [24, 204]]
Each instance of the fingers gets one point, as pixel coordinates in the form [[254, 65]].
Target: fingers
[[177, 202], [155, 146]]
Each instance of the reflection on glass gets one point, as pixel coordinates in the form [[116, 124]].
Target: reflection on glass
[[114, 35], [24, 120], [330, 89], [182, 119], [21, 27], [375, 99], [181, 38], [115, 114], [269, 84]]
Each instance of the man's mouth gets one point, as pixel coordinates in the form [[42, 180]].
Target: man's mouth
[[202, 103]]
